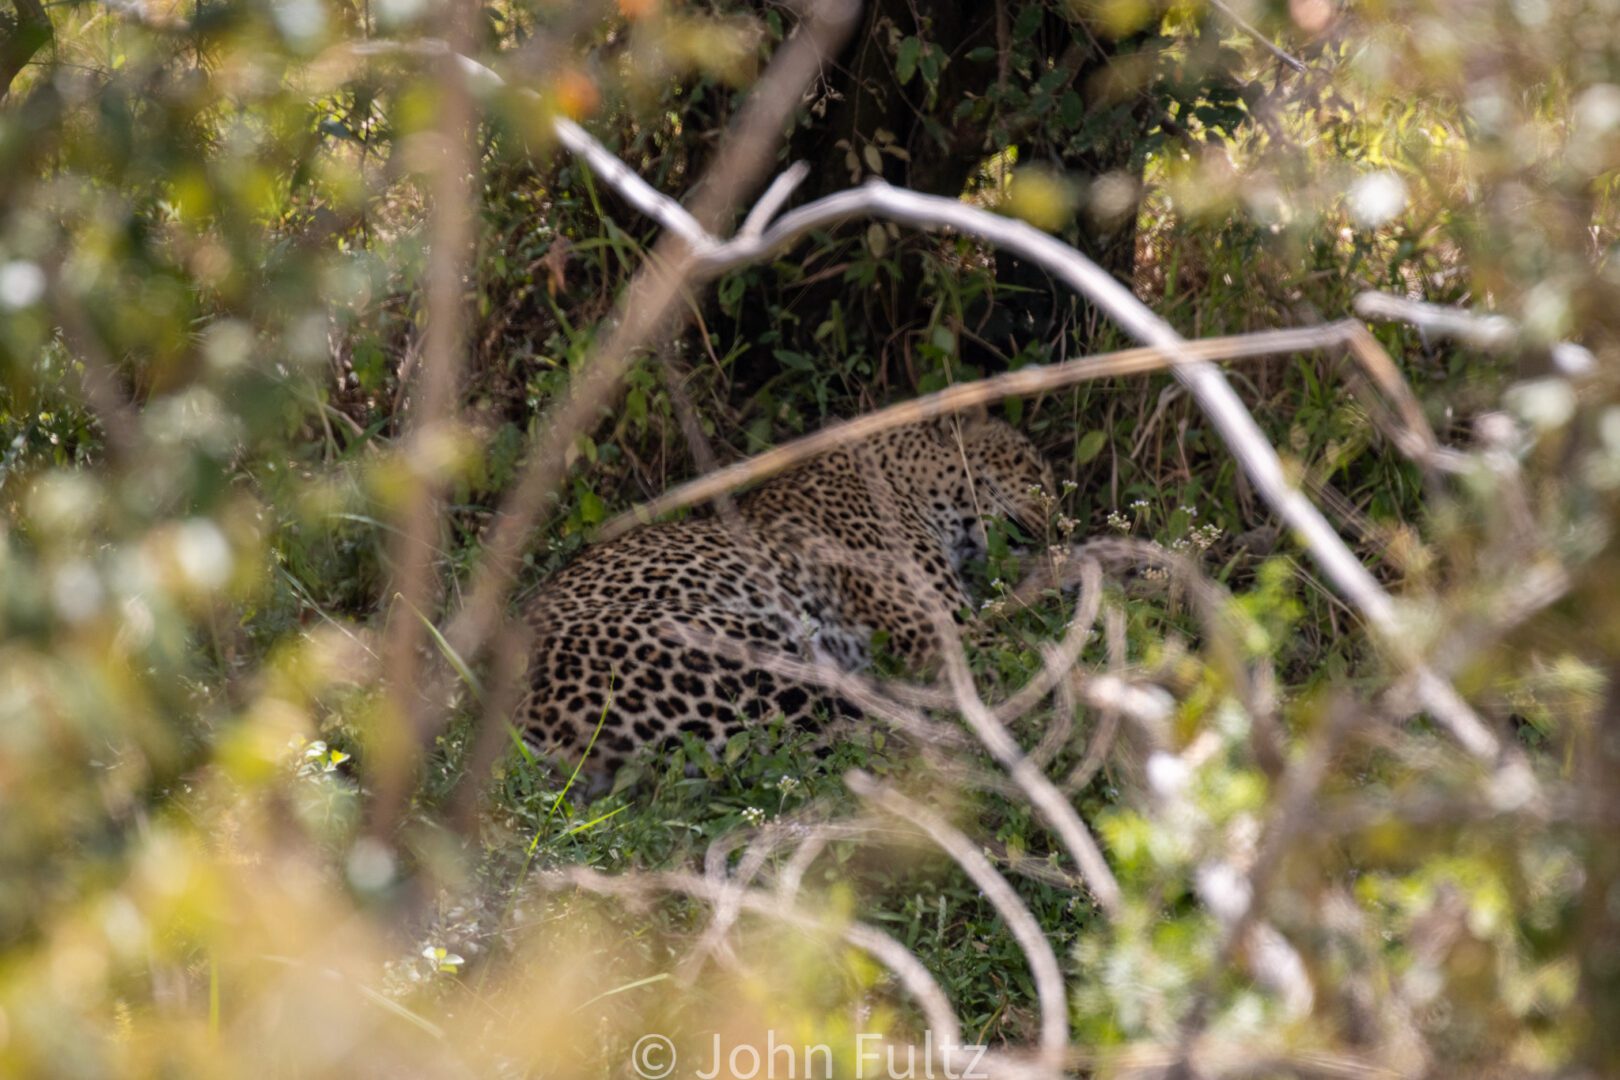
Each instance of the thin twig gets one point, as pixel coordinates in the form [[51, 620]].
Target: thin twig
[[1254, 32], [1048, 802], [775, 197], [1414, 437], [1102, 740], [1059, 670]]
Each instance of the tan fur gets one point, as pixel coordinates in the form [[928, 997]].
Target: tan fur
[[864, 539]]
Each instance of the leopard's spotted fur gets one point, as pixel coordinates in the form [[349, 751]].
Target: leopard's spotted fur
[[872, 538]]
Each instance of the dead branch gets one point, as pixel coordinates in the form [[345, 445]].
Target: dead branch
[[1413, 435], [1025, 382], [1487, 332], [400, 734], [1058, 667]]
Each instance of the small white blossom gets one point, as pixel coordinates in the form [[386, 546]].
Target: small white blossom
[[1204, 537]]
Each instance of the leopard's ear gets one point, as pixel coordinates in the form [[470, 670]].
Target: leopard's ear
[[964, 420], [976, 414]]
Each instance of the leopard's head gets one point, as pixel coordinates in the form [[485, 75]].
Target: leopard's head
[[1007, 476]]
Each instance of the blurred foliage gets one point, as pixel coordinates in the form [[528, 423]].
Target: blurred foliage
[[213, 237]]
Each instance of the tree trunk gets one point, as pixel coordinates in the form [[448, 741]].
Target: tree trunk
[[30, 33]]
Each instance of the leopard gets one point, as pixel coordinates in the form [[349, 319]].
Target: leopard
[[664, 633]]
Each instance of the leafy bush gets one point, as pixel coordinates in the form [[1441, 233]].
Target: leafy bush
[[259, 814]]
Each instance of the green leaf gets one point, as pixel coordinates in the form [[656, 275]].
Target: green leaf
[[905, 61], [730, 291], [1028, 21], [877, 239], [635, 406], [1071, 109], [797, 361], [1089, 446], [928, 64], [370, 366], [591, 508]]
